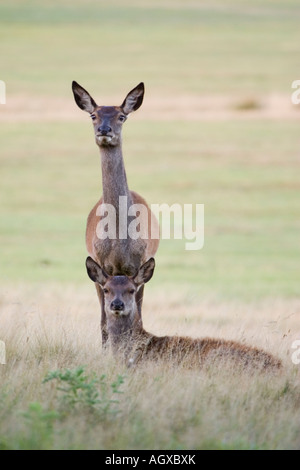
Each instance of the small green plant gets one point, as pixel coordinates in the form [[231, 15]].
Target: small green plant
[[80, 390]]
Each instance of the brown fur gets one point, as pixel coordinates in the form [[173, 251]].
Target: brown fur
[[118, 256], [130, 341], [113, 255], [141, 345]]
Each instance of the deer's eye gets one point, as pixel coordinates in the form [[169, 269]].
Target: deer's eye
[[105, 291], [122, 118], [131, 291], [93, 117]]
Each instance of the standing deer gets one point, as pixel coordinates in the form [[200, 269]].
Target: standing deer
[[129, 339], [119, 256]]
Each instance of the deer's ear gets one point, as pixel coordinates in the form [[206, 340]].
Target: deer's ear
[[95, 272], [83, 98], [145, 272], [134, 99]]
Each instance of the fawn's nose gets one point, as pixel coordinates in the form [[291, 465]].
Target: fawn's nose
[[104, 130], [117, 305]]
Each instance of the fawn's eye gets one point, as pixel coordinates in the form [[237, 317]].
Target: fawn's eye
[[93, 117], [122, 118], [105, 291], [131, 291]]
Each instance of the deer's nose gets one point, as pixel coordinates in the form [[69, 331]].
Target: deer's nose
[[104, 130], [117, 305]]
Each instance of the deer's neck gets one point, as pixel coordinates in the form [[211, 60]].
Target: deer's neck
[[114, 180], [123, 331]]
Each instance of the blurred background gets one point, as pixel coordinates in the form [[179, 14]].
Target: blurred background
[[217, 127]]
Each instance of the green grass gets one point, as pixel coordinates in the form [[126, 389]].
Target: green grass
[[43, 427], [245, 173], [241, 162], [217, 47], [49, 401]]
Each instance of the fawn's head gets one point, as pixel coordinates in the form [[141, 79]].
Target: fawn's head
[[108, 120], [120, 291]]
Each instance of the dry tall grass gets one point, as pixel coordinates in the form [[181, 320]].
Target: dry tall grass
[[55, 327]]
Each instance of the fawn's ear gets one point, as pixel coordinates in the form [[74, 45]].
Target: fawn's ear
[[83, 98], [95, 272], [145, 272], [134, 99]]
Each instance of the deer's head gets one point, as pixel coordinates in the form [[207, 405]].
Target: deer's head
[[108, 120], [120, 291]]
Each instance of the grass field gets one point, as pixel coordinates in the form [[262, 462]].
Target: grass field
[[217, 127]]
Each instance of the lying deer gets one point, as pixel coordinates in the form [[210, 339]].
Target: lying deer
[[128, 337]]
